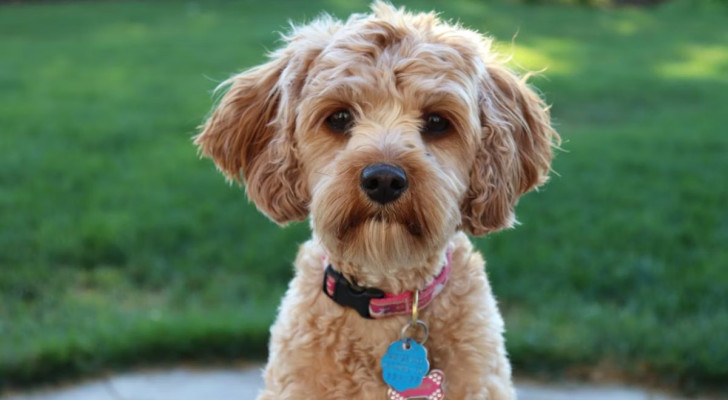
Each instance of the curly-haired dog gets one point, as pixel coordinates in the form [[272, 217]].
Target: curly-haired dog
[[396, 133]]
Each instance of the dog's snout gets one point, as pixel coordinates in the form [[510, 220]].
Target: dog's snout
[[383, 183]]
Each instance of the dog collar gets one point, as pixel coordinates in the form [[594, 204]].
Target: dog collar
[[373, 303]]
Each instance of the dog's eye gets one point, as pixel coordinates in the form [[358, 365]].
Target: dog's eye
[[435, 125], [340, 121]]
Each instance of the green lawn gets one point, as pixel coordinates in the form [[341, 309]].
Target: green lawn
[[119, 247]]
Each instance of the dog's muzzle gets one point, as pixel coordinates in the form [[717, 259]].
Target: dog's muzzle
[[383, 183]]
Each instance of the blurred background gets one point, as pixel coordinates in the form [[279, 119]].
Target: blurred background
[[120, 248]]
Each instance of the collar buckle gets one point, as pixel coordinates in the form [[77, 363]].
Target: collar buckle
[[340, 290]]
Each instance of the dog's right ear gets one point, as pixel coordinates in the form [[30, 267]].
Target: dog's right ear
[[252, 128]]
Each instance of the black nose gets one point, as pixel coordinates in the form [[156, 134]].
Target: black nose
[[383, 183]]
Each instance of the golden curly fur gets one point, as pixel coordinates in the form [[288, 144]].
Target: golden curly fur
[[388, 69]]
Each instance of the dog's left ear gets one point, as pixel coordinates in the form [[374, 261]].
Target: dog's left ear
[[515, 151]]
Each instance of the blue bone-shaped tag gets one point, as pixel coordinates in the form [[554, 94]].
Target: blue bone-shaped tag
[[405, 364]]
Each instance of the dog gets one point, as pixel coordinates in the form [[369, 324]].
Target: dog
[[396, 133]]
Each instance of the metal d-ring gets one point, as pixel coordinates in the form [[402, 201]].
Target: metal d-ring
[[425, 329], [415, 307]]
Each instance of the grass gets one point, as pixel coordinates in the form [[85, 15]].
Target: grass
[[119, 247]]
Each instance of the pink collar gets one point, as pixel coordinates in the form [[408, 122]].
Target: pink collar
[[374, 303]]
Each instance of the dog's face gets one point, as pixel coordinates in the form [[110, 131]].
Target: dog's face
[[391, 130]]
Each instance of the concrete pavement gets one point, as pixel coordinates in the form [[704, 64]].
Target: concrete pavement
[[244, 383]]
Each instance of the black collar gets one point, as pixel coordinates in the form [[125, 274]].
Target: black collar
[[340, 290]]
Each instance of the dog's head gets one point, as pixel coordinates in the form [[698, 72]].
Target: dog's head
[[392, 130]]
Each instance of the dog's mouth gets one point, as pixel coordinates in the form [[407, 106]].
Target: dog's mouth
[[379, 219], [413, 227], [411, 224]]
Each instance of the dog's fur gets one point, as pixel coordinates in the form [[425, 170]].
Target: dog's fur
[[389, 68]]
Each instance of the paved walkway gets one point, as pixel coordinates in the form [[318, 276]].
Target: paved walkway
[[243, 384]]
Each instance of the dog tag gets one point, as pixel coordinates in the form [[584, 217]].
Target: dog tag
[[405, 364], [432, 388]]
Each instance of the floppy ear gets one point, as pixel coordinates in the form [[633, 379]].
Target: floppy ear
[[252, 128], [515, 151]]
